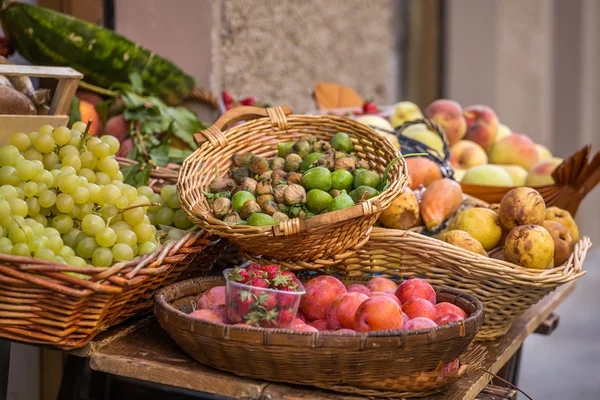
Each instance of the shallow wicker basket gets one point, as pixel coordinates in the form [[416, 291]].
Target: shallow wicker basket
[[319, 237], [383, 364]]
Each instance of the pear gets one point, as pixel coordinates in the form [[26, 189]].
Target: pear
[[522, 206], [481, 223], [563, 217], [463, 239], [530, 246]]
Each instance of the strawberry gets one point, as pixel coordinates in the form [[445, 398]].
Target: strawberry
[[248, 101], [253, 267], [239, 275], [228, 106], [369, 107], [259, 282], [245, 300], [273, 268], [245, 275], [285, 299], [227, 98], [268, 301], [286, 316]]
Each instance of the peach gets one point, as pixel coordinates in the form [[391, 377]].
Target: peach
[[451, 367], [465, 154], [320, 324], [517, 174], [405, 111], [406, 319], [207, 315], [390, 295], [563, 241], [448, 115], [90, 97], [212, 297], [422, 171], [446, 318], [516, 149], [381, 284], [117, 126], [541, 173], [415, 288], [126, 146], [420, 308], [358, 288], [345, 331], [482, 125], [543, 152], [341, 312], [503, 131], [449, 308], [377, 314], [221, 309], [305, 328], [421, 133], [320, 293], [87, 112], [298, 321], [300, 315], [488, 175], [419, 323]]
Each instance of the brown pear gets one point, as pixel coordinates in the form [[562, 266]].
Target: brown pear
[[481, 223], [563, 241], [463, 239], [522, 206], [403, 213], [563, 217], [498, 255], [441, 200], [530, 246]]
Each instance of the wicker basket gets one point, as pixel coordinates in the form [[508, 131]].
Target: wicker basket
[[385, 363], [319, 237]]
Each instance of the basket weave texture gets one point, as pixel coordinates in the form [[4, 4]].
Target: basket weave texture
[[319, 237], [384, 363]]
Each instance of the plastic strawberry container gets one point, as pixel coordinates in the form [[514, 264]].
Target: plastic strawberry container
[[263, 307]]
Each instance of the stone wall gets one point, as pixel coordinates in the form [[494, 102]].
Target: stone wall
[[278, 50]]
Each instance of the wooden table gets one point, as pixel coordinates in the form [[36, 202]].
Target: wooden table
[[142, 350]]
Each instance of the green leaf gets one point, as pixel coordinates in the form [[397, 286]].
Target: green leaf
[[137, 84], [103, 110], [177, 156], [132, 100], [129, 173], [74, 114], [143, 177], [160, 154], [185, 124]]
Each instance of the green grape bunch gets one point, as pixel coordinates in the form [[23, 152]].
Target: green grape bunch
[[63, 199]]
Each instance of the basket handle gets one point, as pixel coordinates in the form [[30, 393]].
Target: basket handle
[[214, 134]]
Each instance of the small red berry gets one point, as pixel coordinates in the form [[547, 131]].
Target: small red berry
[[227, 98], [370, 107], [253, 267], [259, 282], [248, 101]]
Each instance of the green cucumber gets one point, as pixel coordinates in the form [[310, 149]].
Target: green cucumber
[[46, 37]]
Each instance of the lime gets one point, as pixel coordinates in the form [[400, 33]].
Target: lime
[[309, 159], [364, 177], [341, 141], [341, 180], [340, 201], [317, 178], [260, 219], [284, 148], [240, 198], [358, 193], [317, 200]]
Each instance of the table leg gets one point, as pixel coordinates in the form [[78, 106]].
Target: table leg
[[4, 366], [510, 371]]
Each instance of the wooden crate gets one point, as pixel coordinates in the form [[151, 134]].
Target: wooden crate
[[68, 80]]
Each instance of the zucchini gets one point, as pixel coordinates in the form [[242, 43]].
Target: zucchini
[[46, 37]]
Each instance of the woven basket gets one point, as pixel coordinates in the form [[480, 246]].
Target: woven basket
[[385, 363], [319, 237]]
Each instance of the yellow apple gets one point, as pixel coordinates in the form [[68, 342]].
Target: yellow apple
[[405, 111], [420, 133], [543, 152], [490, 175], [517, 174], [541, 173]]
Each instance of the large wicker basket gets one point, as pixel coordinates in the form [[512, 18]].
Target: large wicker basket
[[319, 237], [382, 364]]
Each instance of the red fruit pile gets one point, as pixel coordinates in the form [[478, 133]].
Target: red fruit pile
[[266, 276], [230, 102]]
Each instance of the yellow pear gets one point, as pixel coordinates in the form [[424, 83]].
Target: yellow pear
[[530, 246], [464, 240], [405, 111], [563, 217], [481, 223], [421, 133]]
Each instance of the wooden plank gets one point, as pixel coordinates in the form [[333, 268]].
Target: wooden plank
[[10, 124], [549, 325], [63, 96], [40, 71], [149, 354]]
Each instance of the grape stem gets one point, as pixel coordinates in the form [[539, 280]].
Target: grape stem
[[86, 133], [109, 220], [98, 90]]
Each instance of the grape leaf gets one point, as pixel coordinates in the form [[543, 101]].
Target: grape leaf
[[129, 173], [143, 177], [176, 156], [160, 154], [137, 84]]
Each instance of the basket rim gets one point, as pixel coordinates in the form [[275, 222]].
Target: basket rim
[[474, 321], [209, 222]]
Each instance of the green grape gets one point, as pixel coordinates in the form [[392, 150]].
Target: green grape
[[92, 224], [109, 211], [55, 173], [33, 155], [56, 243], [46, 211], [141, 201], [112, 142], [46, 129], [66, 252], [72, 161], [88, 160], [20, 141], [143, 232], [79, 126], [134, 216], [94, 191], [30, 189], [6, 248], [62, 223], [86, 247], [3, 232], [146, 248], [102, 257], [44, 176], [25, 169], [65, 169], [18, 207], [20, 193], [100, 150], [8, 192], [151, 217], [36, 227], [102, 179], [117, 176], [156, 198], [91, 142], [175, 234], [64, 203], [70, 238], [110, 193], [165, 216], [41, 187], [81, 195], [5, 241], [41, 219], [59, 260], [19, 234], [9, 176], [173, 202], [82, 180], [33, 205], [50, 159], [87, 174], [118, 184], [122, 252], [146, 220], [122, 202], [68, 183], [120, 225], [39, 166], [50, 231], [34, 245], [61, 135], [45, 254], [76, 137], [32, 136], [5, 218], [106, 237], [44, 143], [130, 192], [84, 209], [9, 155], [126, 236], [181, 220], [75, 211], [145, 191], [21, 249], [75, 261], [167, 191]]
